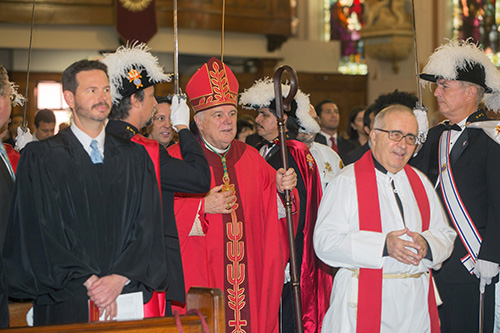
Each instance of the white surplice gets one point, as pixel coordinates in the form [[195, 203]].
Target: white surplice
[[339, 243]]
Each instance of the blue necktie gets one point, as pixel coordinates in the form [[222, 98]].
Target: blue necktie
[[5, 157], [95, 155]]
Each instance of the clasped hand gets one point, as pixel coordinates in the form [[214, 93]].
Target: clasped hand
[[400, 249], [104, 291]]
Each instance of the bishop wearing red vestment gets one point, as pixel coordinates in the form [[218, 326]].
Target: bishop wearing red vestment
[[231, 237]]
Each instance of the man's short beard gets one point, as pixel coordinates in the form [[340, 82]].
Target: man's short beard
[[78, 109]]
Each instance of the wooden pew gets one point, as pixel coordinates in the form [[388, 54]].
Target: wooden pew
[[210, 302]]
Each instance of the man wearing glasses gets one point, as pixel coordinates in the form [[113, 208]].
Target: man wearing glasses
[[381, 222]]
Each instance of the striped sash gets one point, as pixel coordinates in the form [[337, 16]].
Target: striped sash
[[456, 209]]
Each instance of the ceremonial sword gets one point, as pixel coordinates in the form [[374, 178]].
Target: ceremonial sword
[[177, 90], [29, 67], [294, 272], [420, 111], [481, 311]]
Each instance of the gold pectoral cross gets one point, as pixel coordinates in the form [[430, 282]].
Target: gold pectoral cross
[[228, 187]]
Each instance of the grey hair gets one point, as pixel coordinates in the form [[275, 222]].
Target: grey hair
[[379, 121], [479, 90]]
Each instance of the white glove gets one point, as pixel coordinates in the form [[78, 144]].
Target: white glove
[[485, 271], [179, 111], [23, 138]]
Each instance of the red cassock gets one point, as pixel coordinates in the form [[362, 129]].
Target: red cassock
[[244, 253]]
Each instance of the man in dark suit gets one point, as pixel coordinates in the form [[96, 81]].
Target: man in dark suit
[[462, 160], [329, 116]]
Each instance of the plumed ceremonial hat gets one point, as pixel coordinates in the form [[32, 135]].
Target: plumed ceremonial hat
[[132, 68], [214, 84], [464, 61], [261, 95]]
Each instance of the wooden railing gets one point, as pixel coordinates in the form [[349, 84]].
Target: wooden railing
[[210, 302]]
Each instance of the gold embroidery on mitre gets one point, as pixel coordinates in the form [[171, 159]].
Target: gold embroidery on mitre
[[219, 83], [135, 5], [235, 271], [497, 129]]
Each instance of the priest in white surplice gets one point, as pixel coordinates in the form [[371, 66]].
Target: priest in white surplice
[[381, 222]]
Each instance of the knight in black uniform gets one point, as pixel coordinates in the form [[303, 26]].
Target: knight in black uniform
[[463, 74], [133, 106]]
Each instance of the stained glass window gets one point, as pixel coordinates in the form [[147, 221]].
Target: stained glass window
[[479, 20], [344, 24]]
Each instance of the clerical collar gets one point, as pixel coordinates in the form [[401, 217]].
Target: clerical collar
[[212, 148], [85, 139], [380, 167]]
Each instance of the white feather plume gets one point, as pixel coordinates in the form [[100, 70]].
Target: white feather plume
[[19, 99], [127, 56], [261, 94], [448, 58]]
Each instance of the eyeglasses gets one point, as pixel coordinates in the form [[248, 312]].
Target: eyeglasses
[[397, 136]]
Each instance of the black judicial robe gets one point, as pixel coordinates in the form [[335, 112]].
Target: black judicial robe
[[190, 175], [71, 218], [6, 187]]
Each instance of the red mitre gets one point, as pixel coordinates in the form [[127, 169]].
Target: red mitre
[[212, 85]]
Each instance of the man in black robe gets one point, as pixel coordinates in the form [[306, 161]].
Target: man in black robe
[[7, 177], [133, 107], [85, 214]]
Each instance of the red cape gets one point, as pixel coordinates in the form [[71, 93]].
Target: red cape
[[156, 305], [316, 277]]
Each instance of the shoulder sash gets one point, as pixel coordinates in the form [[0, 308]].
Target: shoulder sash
[[456, 209]]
